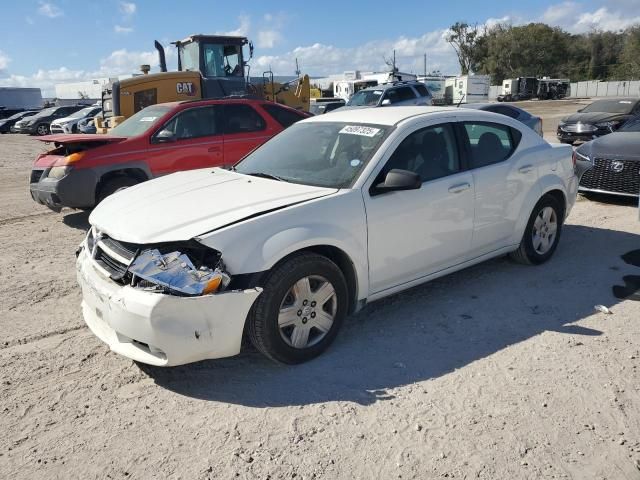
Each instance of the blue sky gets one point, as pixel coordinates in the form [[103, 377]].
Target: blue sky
[[54, 41]]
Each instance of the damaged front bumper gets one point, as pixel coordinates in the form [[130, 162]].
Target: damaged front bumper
[[157, 328]]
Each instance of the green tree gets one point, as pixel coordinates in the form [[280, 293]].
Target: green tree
[[464, 38]]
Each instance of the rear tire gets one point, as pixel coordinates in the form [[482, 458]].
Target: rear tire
[[113, 185], [301, 309], [542, 233]]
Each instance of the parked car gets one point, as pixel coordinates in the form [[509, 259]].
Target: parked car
[[320, 106], [39, 123], [616, 160], [84, 169], [9, 112], [535, 123], [70, 124], [337, 211], [393, 93], [6, 124], [87, 125], [597, 119]]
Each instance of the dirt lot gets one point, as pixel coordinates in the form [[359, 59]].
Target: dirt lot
[[498, 372]]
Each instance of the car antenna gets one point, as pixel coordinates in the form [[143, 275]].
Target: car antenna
[[461, 99]]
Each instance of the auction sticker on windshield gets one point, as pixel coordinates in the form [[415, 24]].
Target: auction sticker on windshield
[[360, 130], [148, 119]]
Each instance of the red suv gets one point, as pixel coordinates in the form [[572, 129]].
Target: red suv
[[83, 169]]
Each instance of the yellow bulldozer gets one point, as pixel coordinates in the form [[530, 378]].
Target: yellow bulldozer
[[209, 66]]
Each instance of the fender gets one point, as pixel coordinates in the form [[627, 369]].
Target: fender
[[257, 244], [544, 185], [101, 170]]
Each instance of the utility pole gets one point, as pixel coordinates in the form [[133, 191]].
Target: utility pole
[[297, 68], [425, 64]]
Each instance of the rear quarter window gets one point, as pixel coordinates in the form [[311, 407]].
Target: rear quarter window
[[286, 117]]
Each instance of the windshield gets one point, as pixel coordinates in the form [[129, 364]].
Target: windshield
[[141, 121], [631, 126], [323, 154], [46, 112], [610, 106], [365, 98], [20, 115], [189, 58], [82, 113]]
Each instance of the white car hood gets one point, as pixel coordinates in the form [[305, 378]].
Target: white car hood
[[186, 204]]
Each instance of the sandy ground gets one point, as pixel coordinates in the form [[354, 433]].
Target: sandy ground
[[497, 372]]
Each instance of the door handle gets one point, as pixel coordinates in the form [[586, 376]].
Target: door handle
[[526, 169], [459, 188], [214, 149]]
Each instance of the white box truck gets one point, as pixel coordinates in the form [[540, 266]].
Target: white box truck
[[467, 89]]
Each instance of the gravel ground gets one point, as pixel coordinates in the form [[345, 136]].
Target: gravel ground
[[499, 371]]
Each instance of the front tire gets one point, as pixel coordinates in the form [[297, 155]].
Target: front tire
[[42, 129], [301, 309], [542, 233], [112, 186]]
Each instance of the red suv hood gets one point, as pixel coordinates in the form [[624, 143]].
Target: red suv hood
[[80, 138]]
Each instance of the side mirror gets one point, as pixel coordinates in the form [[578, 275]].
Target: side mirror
[[385, 102], [164, 136], [397, 180]]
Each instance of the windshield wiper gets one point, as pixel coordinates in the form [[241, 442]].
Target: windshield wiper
[[265, 175]]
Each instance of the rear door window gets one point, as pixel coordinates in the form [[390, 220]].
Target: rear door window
[[284, 116], [490, 143], [422, 90], [406, 93], [242, 118]]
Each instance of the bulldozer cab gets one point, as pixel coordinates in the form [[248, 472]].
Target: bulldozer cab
[[220, 61]]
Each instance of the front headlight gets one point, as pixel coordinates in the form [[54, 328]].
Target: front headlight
[[610, 125], [59, 172], [176, 272]]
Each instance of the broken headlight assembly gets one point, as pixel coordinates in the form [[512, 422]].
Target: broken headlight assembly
[[175, 272]]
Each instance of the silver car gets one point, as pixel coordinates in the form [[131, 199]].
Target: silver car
[[393, 93], [510, 111]]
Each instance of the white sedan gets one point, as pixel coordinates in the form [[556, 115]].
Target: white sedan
[[336, 211]]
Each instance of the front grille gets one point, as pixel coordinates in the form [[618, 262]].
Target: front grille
[[115, 269], [127, 250], [35, 175], [603, 177], [578, 128]]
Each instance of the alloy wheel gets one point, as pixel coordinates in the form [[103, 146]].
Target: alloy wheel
[[307, 312], [545, 229]]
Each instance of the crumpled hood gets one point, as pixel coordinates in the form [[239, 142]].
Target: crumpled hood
[[595, 117], [186, 204]]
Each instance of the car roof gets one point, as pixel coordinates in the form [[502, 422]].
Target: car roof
[[382, 116]]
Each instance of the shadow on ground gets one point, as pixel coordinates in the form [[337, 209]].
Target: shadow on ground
[[427, 331], [77, 219]]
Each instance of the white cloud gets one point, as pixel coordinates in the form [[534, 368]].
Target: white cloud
[[127, 9], [119, 62], [268, 38], [49, 10], [322, 59], [567, 15], [243, 28], [121, 29]]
